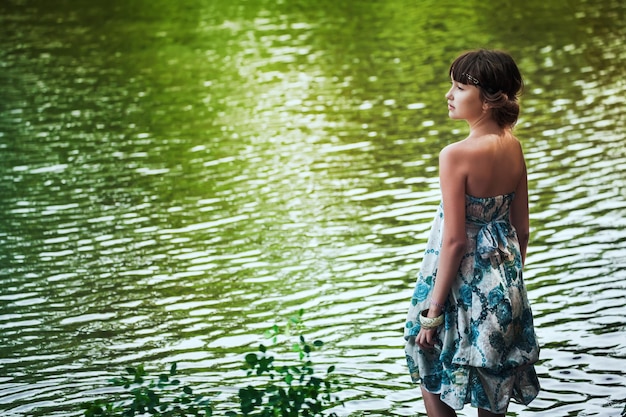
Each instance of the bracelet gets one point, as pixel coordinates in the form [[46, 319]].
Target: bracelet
[[435, 303], [430, 322]]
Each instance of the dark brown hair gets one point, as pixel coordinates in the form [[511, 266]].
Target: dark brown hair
[[498, 79]]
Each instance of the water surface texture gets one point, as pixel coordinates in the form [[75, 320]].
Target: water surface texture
[[176, 177]]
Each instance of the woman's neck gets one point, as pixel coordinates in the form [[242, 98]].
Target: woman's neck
[[484, 125]]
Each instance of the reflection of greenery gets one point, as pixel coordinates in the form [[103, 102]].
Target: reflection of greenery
[[290, 390]]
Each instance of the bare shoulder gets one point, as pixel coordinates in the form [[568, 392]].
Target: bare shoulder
[[459, 154], [453, 160], [516, 148], [514, 140], [453, 151]]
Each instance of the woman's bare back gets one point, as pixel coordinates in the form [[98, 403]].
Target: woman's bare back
[[494, 164]]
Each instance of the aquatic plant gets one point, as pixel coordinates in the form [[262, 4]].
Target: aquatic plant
[[292, 390], [277, 388], [162, 396]]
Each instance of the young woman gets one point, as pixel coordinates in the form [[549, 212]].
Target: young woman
[[469, 331]]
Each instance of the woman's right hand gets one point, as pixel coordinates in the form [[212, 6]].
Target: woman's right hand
[[426, 338]]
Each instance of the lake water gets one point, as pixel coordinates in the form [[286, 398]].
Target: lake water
[[176, 177]]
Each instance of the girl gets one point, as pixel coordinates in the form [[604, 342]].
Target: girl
[[469, 331]]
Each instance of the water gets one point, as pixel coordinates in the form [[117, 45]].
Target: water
[[177, 177]]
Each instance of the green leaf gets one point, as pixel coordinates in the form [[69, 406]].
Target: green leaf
[[331, 369], [187, 390], [288, 378], [173, 369], [318, 343], [251, 359], [153, 397]]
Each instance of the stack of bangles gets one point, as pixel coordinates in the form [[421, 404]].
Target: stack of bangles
[[430, 322]]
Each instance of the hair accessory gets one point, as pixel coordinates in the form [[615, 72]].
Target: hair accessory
[[430, 322], [473, 80]]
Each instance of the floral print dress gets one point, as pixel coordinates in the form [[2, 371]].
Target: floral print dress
[[487, 344]]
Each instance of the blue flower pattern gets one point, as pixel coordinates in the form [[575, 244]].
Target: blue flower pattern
[[487, 343]]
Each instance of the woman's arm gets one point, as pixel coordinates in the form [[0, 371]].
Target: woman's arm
[[519, 214], [452, 180]]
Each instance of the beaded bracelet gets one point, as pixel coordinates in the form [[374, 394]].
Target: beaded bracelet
[[430, 322]]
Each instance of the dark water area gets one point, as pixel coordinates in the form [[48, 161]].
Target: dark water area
[[176, 177]]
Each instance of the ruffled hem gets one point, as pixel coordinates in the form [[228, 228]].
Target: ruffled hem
[[484, 389]]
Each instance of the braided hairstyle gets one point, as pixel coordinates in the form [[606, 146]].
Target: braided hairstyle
[[498, 79]]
